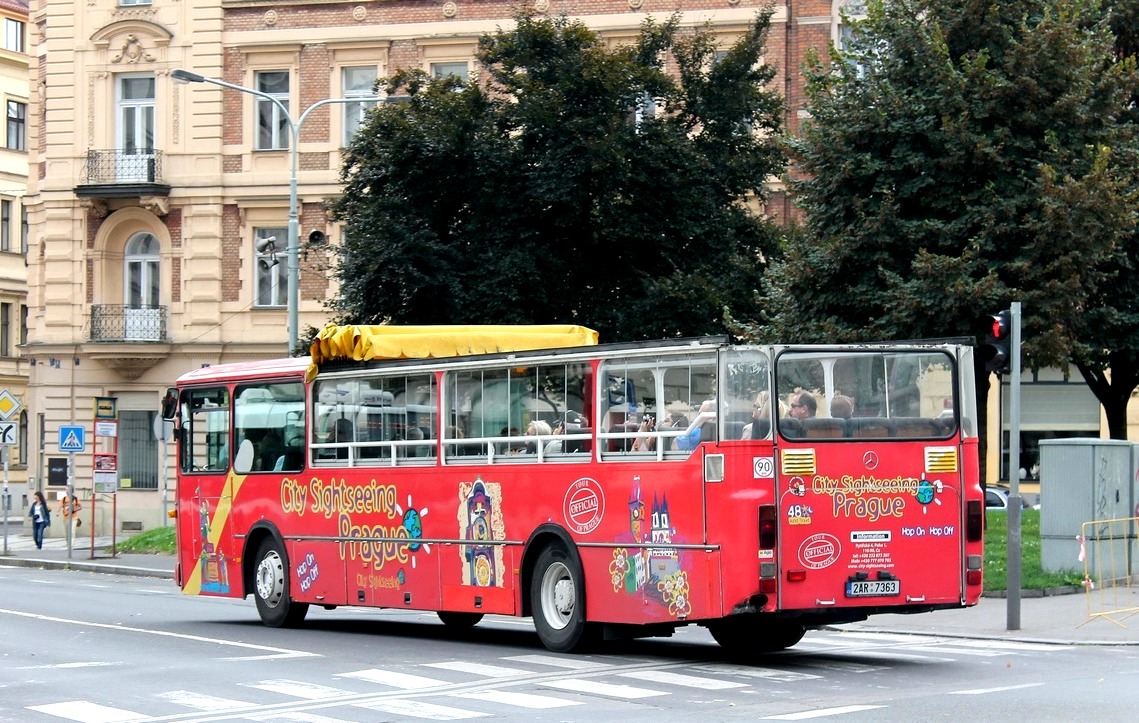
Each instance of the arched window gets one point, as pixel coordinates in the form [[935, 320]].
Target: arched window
[[141, 283]]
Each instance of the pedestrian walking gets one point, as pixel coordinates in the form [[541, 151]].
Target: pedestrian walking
[[70, 506], [41, 518]]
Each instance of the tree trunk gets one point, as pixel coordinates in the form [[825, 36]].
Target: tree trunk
[[982, 378], [1113, 387]]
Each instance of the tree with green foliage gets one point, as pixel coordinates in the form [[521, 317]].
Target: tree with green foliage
[[569, 182], [963, 154]]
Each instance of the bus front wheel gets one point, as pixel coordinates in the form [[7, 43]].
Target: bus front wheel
[[557, 598], [752, 635], [271, 588]]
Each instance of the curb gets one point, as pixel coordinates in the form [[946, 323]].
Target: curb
[[980, 636], [1045, 592], [113, 568]]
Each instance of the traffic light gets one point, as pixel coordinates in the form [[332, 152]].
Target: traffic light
[[998, 340]]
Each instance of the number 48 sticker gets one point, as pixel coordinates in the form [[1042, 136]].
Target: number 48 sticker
[[763, 467]]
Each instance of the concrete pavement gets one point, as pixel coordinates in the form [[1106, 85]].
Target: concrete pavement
[[1097, 617]]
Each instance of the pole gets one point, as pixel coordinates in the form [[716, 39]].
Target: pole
[[7, 502], [1014, 542], [292, 251], [67, 522]]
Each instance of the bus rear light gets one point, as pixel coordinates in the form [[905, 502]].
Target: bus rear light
[[973, 562], [767, 569], [769, 586], [796, 575], [974, 521], [768, 527], [172, 514], [973, 577]]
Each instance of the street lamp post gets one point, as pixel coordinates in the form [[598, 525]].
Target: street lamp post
[[292, 250]]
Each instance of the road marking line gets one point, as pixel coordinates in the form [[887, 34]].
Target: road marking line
[[490, 671], [419, 709], [596, 687], [202, 701], [282, 652], [84, 712], [299, 716], [570, 663], [406, 681], [823, 712], [688, 681], [983, 691], [67, 666], [783, 676], [298, 689], [522, 700]]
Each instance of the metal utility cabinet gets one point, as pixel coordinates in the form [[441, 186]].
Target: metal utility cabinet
[[1087, 480]]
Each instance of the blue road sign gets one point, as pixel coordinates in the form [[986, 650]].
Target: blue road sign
[[71, 439]]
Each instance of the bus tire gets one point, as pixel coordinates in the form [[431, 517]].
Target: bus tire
[[459, 620], [753, 635], [557, 599], [271, 588]]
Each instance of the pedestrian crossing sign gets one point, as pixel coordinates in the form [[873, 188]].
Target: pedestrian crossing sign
[[71, 439]]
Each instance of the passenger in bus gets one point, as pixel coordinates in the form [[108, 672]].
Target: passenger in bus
[[536, 428], [647, 442], [760, 425], [414, 433], [705, 431], [341, 432], [842, 407], [270, 449], [803, 406]]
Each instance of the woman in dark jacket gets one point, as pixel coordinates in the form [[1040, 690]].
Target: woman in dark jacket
[[41, 518]]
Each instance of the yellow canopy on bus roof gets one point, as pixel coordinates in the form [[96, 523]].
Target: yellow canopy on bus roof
[[361, 343]]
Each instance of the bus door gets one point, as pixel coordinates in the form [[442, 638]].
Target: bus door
[[204, 500], [870, 479]]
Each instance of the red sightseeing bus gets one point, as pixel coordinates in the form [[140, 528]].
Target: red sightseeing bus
[[614, 490]]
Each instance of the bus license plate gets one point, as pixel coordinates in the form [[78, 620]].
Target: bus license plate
[[873, 588]]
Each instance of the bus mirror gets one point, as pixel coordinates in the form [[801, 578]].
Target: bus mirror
[[243, 462], [170, 404]]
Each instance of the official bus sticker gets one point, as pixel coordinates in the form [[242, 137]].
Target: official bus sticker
[[819, 551], [584, 505]]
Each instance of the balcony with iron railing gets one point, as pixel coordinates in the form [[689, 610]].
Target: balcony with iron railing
[[128, 323], [119, 173]]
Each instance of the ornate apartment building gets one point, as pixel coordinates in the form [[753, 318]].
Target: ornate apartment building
[[14, 414], [159, 210]]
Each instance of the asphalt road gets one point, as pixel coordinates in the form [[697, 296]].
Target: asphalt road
[[100, 648]]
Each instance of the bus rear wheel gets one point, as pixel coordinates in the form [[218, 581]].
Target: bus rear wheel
[[271, 588], [459, 620], [557, 598], [753, 635]]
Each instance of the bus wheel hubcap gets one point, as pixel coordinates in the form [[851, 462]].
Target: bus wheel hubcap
[[558, 595], [271, 578]]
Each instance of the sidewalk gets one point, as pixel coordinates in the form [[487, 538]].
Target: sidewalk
[[1069, 619]]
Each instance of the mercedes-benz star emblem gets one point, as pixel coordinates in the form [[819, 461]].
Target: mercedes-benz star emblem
[[870, 459]]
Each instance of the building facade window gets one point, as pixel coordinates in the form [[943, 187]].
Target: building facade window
[[5, 329], [271, 284], [129, 3], [459, 70], [359, 81], [5, 225], [23, 323], [17, 139], [23, 229], [135, 120], [23, 441], [138, 450], [272, 121], [14, 34], [141, 282]]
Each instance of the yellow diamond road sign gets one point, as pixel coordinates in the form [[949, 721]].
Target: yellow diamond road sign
[[9, 405]]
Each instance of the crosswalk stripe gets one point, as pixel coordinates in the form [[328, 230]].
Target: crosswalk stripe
[[823, 712], [298, 689], [522, 700], [420, 709], [490, 671], [84, 712], [952, 650], [202, 701], [783, 676], [568, 663], [688, 681], [406, 681], [596, 687], [298, 716]]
